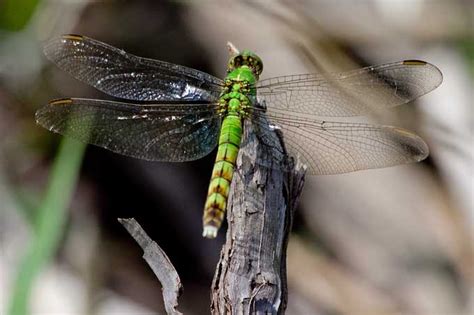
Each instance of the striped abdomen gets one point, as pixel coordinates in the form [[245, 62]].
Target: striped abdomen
[[229, 144]]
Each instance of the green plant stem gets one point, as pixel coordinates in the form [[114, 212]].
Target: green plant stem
[[51, 218], [16, 14]]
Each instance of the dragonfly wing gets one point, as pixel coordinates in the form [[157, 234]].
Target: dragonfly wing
[[123, 75], [341, 147], [164, 132], [351, 93]]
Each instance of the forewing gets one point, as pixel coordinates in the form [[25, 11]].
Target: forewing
[[351, 93], [123, 75], [340, 147], [164, 132]]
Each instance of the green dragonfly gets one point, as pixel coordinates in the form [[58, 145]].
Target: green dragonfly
[[183, 113]]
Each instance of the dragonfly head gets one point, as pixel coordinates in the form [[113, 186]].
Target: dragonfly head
[[246, 58]]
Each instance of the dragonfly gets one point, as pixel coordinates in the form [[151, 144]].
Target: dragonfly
[[174, 113]]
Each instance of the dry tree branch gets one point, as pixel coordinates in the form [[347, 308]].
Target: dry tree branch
[[251, 275], [159, 263]]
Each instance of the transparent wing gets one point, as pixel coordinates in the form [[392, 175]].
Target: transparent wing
[[117, 73], [351, 93], [164, 132], [340, 147]]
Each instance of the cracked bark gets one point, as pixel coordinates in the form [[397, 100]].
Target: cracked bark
[[251, 274]]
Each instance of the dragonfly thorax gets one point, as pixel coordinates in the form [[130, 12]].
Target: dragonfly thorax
[[241, 78], [234, 105]]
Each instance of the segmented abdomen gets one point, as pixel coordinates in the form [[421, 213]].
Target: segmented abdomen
[[229, 144]]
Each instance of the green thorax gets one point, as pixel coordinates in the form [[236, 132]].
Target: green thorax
[[243, 71], [242, 74]]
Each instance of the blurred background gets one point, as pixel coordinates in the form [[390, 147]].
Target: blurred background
[[390, 241]]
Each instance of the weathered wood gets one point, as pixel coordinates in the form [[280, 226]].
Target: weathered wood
[[159, 263], [251, 275]]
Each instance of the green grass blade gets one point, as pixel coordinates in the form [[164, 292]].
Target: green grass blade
[[15, 14], [51, 217]]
